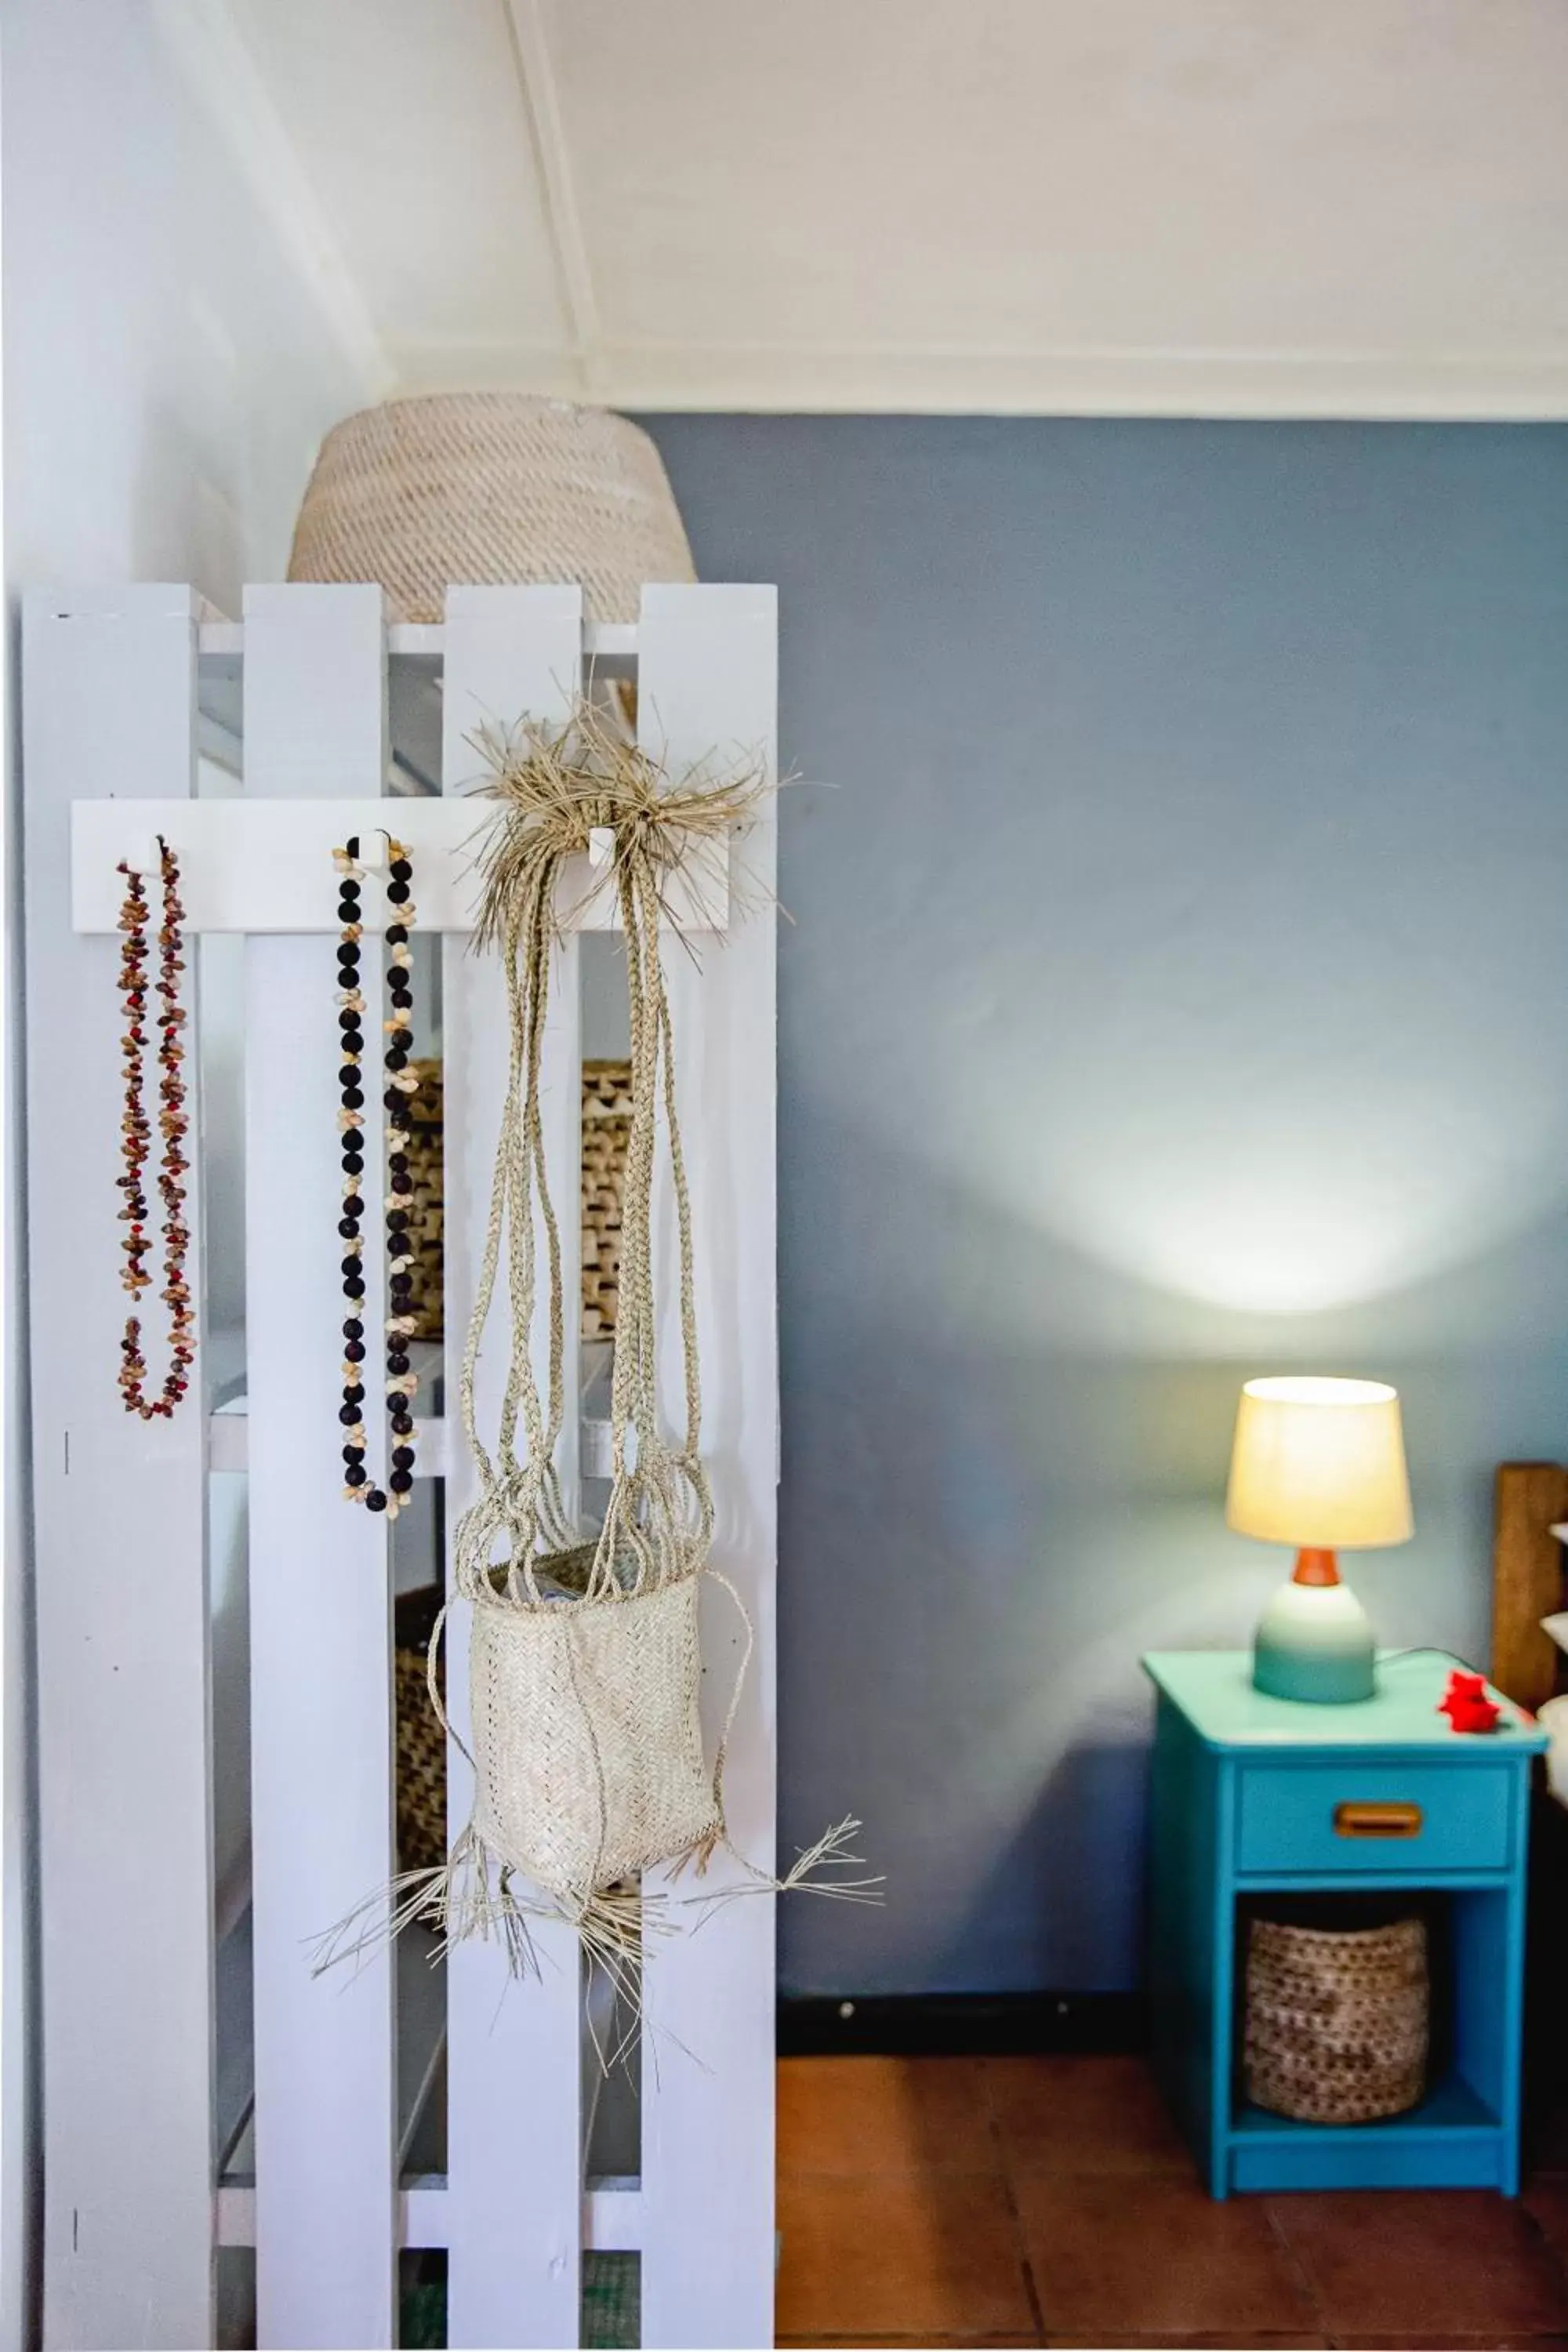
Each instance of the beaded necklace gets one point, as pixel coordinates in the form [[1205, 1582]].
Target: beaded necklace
[[173, 1124], [402, 1382]]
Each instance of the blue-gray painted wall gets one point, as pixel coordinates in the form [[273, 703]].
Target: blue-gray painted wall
[[1178, 990]]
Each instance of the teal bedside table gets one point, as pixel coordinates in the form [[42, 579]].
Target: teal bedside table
[[1255, 1795]]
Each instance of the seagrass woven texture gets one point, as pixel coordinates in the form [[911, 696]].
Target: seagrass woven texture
[[586, 1729], [490, 488], [426, 1202], [1337, 2020]]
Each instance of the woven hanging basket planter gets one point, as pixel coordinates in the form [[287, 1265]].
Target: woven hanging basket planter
[[1337, 2020], [490, 488], [589, 1760]]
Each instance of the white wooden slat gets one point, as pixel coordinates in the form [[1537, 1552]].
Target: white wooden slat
[[256, 865], [236, 2213], [513, 2125], [708, 682], [119, 1504], [227, 1442], [612, 2217], [320, 1590]]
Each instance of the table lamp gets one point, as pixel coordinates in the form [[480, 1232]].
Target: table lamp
[[1319, 1464]]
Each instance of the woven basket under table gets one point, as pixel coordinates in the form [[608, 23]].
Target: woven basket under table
[[1337, 2020]]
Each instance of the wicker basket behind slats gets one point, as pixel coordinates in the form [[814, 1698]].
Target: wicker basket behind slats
[[421, 1742], [424, 1204], [607, 1132], [607, 1127], [1337, 2020], [421, 1770]]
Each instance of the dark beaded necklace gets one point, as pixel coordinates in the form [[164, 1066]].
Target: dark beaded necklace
[[173, 1124], [402, 1382]]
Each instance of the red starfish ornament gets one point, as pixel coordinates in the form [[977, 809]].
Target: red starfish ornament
[[1466, 1705]]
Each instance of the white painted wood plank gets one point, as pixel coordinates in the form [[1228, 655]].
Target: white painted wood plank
[[612, 2214], [321, 1628], [236, 2214], [603, 640], [229, 1446], [424, 2209], [228, 1443], [708, 682], [256, 865], [612, 2217], [109, 691], [513, 2125]]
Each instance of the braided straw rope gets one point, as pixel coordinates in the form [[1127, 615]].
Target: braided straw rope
[[491, 487], [585, 1661], [659, 1520]]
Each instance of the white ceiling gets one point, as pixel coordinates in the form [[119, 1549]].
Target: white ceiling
[[1180, 206]]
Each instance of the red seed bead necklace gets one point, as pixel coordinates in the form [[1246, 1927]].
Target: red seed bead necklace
[[173, 1126]]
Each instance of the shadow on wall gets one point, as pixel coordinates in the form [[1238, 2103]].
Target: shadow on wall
[[1067, 1886]]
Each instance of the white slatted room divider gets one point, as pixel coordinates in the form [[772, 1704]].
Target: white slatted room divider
[[135, 2209]]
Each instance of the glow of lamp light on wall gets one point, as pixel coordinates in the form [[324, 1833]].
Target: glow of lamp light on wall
[[1236, 1171], [1251, 1223], [1239, 1231]]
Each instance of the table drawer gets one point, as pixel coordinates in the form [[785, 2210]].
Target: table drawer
[[1339, 1815]]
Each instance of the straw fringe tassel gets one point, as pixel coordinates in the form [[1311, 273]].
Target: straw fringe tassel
[[474, 1893]]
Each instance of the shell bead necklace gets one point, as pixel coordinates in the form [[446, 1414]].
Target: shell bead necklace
[[401, 1380]]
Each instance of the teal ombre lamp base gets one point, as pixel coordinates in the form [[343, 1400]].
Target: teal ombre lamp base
[[1318, 1463], [1314, 1640]]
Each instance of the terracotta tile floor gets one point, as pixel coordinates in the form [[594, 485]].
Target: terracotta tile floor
[[950, 2201]]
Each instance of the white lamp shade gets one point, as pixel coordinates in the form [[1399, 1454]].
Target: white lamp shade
[[1320, 1464]]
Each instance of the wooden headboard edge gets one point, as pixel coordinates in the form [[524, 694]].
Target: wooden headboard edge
[[1528, 1578]]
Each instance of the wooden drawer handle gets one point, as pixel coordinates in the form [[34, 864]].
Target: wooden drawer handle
[[1377, 1820]]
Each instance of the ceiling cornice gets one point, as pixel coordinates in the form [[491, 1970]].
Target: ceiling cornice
[[1373, 386]]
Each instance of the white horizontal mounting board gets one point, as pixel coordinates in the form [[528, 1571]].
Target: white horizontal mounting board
[[266, 864], [611, 2214], [607, 642]]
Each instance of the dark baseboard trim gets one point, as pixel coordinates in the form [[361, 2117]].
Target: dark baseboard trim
[[963, 2024]]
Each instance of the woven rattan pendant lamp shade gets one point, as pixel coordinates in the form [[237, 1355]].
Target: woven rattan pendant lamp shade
[[490, 488]]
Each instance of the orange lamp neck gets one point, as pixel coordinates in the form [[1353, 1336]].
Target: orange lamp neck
[[1314, 1567]]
